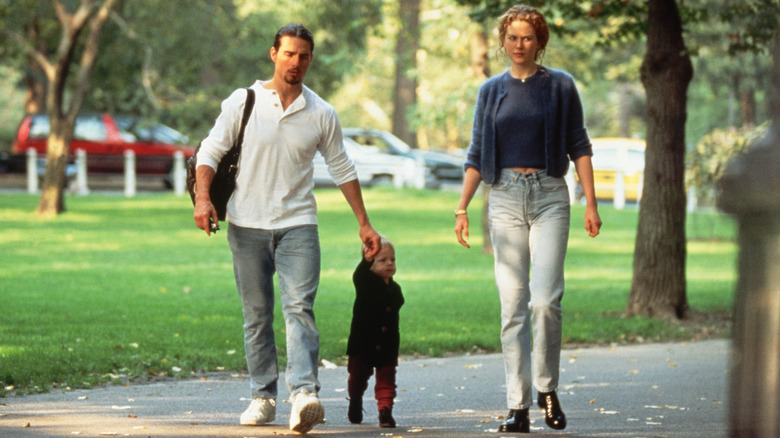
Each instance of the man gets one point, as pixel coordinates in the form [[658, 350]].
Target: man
[[273, 221]]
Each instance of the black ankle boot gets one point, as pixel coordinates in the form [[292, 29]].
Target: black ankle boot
[[386, 418], [516, 421], [355, 411], [553, 414]]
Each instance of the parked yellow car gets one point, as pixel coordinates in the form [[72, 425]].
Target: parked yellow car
[[612, 155]]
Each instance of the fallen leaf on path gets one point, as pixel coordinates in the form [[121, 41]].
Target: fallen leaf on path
[[121, 408]]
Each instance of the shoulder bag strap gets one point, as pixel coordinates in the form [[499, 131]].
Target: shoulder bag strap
[[248, 105]]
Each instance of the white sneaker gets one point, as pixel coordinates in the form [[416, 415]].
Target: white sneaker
[[307, 412], [259, 412]]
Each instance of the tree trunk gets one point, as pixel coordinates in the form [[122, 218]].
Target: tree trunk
[[658, 288], [405, 90], [62, 118], [748, 107], [52, 200], [35, 78]]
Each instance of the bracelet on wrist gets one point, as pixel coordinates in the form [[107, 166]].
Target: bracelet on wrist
[[459, 212]]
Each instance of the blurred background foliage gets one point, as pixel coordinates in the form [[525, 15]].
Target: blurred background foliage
[[175, 61]]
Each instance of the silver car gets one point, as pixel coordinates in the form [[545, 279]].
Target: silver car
[[374, 168]]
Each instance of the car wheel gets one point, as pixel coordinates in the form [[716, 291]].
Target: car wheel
[[382, 180]]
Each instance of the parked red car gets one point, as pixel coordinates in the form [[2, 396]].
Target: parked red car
[[105, 138]]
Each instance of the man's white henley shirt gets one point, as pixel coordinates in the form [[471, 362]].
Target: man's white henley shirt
[[274, 183]]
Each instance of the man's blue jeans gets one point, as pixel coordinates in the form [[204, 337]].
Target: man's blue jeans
[[529, 228], [294, 254]]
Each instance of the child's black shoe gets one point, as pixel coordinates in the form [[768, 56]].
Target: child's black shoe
[[386, 418], [355, 412]]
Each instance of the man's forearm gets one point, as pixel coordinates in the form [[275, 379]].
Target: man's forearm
[[354, 196], [204, 175]]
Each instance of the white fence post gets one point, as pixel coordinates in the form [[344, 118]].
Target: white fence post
[[32, 171], [619, 194], [82, 187], [130, 182], [693, 201], [179, 175], [619, 197]]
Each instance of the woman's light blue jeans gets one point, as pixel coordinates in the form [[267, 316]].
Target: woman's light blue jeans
[[294, 254], [529, 228]]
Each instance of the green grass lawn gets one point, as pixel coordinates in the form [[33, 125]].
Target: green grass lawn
[[121, 289]]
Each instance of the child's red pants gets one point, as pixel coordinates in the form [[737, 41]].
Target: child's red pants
[[357, 382]]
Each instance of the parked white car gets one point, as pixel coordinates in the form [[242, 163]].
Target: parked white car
[[373, 167]]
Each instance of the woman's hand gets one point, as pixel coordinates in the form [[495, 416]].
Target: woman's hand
[[592, 221], [462, 229]]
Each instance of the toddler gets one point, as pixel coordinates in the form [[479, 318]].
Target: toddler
[[374, 336]]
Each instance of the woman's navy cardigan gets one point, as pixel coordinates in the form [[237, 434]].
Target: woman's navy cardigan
[[566, 137]]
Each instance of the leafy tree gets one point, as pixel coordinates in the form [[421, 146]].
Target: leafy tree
[[80, 30], [707, 161]]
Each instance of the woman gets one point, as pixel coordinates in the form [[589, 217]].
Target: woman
[[528, 124]]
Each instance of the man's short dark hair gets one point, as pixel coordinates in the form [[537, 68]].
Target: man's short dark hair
[[294, 30]]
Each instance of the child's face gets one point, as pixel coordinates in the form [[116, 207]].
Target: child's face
[[384, 263]]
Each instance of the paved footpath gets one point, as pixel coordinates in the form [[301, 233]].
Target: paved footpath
[[650, 391]]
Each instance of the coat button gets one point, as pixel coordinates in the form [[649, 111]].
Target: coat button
[[384, 329], [388, 310], [378, 347]]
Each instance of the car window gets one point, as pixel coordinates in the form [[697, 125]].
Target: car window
[[135, 129], [369, 140], [90, 128], [128, 130], [39, 127], [164, 134], [606, 158]]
